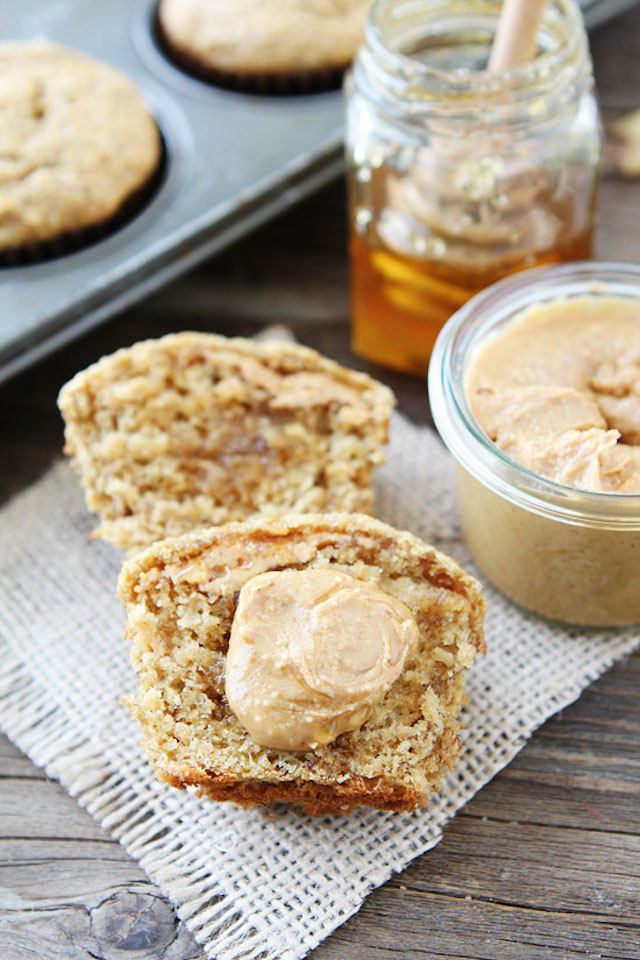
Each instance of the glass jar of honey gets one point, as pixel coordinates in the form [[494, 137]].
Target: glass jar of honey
[[459, 176]]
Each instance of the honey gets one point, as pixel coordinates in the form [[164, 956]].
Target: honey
[[459, 176], [399, 303]]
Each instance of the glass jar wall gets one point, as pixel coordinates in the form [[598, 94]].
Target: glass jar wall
[[562, 552], [458, 176]]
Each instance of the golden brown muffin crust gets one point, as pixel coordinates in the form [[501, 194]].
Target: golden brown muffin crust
[[270, 37], [77, 142], [180, 597]]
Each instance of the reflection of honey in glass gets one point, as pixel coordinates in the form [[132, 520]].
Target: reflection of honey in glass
[[400, 302]]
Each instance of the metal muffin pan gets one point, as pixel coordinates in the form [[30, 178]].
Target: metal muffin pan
[[234, 160]]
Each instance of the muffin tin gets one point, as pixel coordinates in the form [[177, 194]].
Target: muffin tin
[[233, 161]]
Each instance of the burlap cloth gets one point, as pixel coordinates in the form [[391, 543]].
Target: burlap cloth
[[249, 884]]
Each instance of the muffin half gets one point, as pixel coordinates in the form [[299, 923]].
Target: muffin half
[[81, 150], [181, 598], [194, 429]]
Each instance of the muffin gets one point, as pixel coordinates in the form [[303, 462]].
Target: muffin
[[276, 46], [81, 151], [181, 597], [194, 429]]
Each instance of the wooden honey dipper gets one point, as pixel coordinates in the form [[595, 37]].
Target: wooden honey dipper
[[515, 39]]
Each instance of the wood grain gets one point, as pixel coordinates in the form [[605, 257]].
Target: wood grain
[[543, 864]]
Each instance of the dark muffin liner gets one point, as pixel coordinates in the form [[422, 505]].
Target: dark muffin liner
[[73, 240], [282, 84]]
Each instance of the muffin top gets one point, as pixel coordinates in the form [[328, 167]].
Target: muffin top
[[77, 142], [269, 37]]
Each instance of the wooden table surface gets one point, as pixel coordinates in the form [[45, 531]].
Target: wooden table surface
[[543, 863]]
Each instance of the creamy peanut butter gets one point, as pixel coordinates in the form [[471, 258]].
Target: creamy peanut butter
[[559, 392], [310, 653]]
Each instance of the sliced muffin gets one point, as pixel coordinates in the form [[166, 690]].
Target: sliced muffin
[[79, 148], [275, 46], [195, 429], [181, 597]]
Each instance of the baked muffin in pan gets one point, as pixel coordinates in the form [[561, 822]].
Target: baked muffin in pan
[[81, 151], [274, 46]]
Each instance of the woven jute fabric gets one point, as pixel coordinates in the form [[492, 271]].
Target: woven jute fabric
[[251, 885]]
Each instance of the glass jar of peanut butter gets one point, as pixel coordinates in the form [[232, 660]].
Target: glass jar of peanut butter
[[459, 176], [535, 389]]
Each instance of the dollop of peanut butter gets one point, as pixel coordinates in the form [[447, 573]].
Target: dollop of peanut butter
[[310, 654]]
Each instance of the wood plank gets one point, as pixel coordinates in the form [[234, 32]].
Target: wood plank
[[59, 849], [48, 814], [403, 923], [602, 870], [107, 924], [68, 890]]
